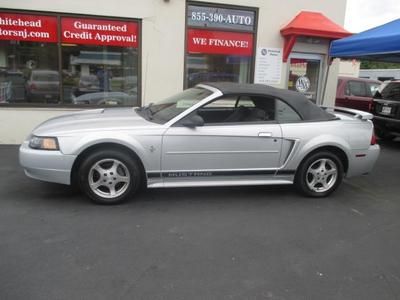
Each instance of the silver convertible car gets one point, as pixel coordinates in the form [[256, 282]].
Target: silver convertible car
[[215, 134]]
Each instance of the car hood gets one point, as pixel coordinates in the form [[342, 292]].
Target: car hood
[[93, 120]]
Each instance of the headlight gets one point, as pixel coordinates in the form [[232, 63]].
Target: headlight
[[44, 143]]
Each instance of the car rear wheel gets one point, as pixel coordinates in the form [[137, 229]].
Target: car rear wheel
[[109, 176], [319, 174]]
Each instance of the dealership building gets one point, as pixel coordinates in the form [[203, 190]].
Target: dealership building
[[63, 56]]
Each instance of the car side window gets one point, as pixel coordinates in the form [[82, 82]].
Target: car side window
[[246, 110], [245, 101], [222, 103], [372, 88], [356, 88], [284, 113], [232, 109]]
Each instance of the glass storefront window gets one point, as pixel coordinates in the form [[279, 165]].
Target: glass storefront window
[[100, 75], [91, 62], [29, 72], [206, 67], [28, 59], [304, 76], [219, 44]]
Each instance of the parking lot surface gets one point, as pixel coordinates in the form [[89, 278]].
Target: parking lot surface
[[208, 243]]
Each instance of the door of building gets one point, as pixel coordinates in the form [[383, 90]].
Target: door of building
[[305, 75]]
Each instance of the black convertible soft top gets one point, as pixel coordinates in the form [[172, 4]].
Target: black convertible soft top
[[307, 109]]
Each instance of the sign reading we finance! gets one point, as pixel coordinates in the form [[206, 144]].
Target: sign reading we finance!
[[32, 28], [220, 42], [99, 32]]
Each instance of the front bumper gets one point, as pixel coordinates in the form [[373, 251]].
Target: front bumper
[[52, 166], [362, 161]]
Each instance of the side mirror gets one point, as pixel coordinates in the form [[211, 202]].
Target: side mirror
[[192, 121]]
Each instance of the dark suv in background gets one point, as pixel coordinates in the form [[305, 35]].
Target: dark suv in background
[[386, 110]]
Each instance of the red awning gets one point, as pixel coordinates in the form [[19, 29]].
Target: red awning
[[313, 24]]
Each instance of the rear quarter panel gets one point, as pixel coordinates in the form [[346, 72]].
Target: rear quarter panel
[[348, 135]]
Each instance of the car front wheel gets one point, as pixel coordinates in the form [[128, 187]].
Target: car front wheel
[[109, 176], [319, 174]]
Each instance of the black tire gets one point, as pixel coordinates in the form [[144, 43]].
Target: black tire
[[326, 181], [120, 172], [383, 135]]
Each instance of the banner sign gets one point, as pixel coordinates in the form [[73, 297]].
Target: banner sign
[[220, 42], [220, 18], [99, 32], [298, 66], [32, 28]]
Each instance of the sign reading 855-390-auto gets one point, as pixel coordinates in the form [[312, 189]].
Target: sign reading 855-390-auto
[[220, 18], [32, 28]]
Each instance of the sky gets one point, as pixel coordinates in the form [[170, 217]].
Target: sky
[[365, 14]]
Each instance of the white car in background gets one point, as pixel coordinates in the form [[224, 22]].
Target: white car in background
[[43, 86]]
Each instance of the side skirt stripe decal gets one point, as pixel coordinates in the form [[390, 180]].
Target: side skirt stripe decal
[[218, 173]]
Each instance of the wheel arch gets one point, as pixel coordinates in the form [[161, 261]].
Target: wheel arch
[[105, 145], [333, 149]]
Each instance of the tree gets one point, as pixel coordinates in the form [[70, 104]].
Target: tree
[[367, 64]]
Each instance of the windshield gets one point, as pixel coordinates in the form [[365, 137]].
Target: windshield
[[167, 109]]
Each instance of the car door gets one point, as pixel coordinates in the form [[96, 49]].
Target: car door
[[237, 140]]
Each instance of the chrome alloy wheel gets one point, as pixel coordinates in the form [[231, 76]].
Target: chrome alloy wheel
[[321, 175], [109, 178]]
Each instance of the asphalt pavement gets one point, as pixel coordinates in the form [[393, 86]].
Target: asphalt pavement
[[202, 243]]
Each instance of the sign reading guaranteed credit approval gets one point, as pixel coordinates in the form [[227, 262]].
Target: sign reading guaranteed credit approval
[[99, 32]]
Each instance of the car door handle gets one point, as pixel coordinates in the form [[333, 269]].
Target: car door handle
[[265, 134]]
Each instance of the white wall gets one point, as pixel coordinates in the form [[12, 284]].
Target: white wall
[[16, 124], [163, 38], [379, 73], [349, 68], [330, 93]]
